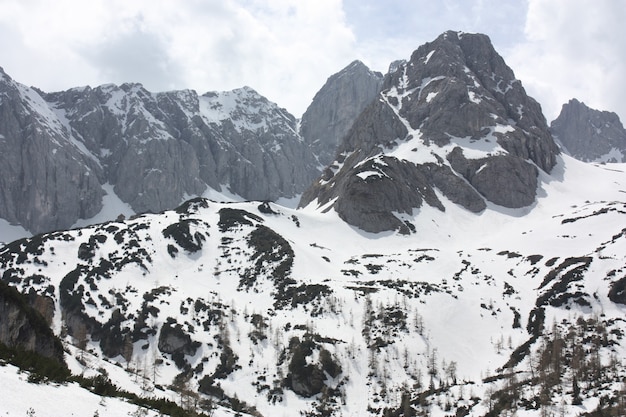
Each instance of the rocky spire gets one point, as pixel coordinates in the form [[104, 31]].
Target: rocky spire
[[452, 118], [336, 106], [590, 135]]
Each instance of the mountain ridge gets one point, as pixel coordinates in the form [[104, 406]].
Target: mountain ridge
[[223, 291], [449, 261], [590, 135], [482, 141], [154, 148]]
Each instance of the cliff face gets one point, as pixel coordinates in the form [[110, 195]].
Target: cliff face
[[156, 148], [590, 135], [454, 119], [58, 150], [23, 328], [336, 106], [47, 180]]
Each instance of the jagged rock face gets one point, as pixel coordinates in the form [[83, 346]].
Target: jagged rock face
[[260, 154], [47, 181], [161, 147], [453, 118], [460, 86], [336, 106], [21, 327], [590, 135], [58, 149]]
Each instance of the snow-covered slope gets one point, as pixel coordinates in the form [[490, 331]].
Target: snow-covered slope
[[21, 397], [295, 311]]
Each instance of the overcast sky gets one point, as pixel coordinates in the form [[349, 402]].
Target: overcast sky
[[286, 49]]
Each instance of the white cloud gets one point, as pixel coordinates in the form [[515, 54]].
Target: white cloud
[[387, 31], [286, 49], [573, 48]]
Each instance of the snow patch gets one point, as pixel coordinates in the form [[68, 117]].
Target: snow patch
[[112, 208], [614, 155], [474, 98], [10, 232], [430, 54], [367, 174]]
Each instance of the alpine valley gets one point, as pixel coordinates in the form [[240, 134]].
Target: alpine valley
[[447, 256]]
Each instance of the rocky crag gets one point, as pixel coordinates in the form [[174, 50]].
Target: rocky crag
[[454, 119], [590, 135], [335, 108], [23, 328], [156, 149], [48, 179], [59, 149]]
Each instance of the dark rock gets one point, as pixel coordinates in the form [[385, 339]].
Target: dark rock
[[590, 135], [336, 106], [23, 328], [478, 136], [308, 379], [617, 293], [505, 180], [173, 339]]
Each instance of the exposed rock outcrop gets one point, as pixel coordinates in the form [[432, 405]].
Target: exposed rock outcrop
[[590, 135], [57, 150], [48, 180], [453, 118], [336, 106], [23, 328]]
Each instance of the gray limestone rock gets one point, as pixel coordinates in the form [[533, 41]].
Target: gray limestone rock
[[459, 86], [590, 135], [336, 106], [58, 149], [502, 179], [160, 147], [48, 180]]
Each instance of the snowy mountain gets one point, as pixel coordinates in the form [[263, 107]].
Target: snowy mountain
[[295, 311], [588, 134], [450, 262], [62, 152], [335, 108], [454, 121], [120, 150]]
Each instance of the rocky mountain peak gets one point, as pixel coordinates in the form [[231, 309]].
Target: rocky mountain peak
[[590, 135], [48, 179], [60, 151], [459, 86], [452, 118], [336, 106], [246, 109]]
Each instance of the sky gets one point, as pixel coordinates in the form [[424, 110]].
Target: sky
[[286, 49]]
